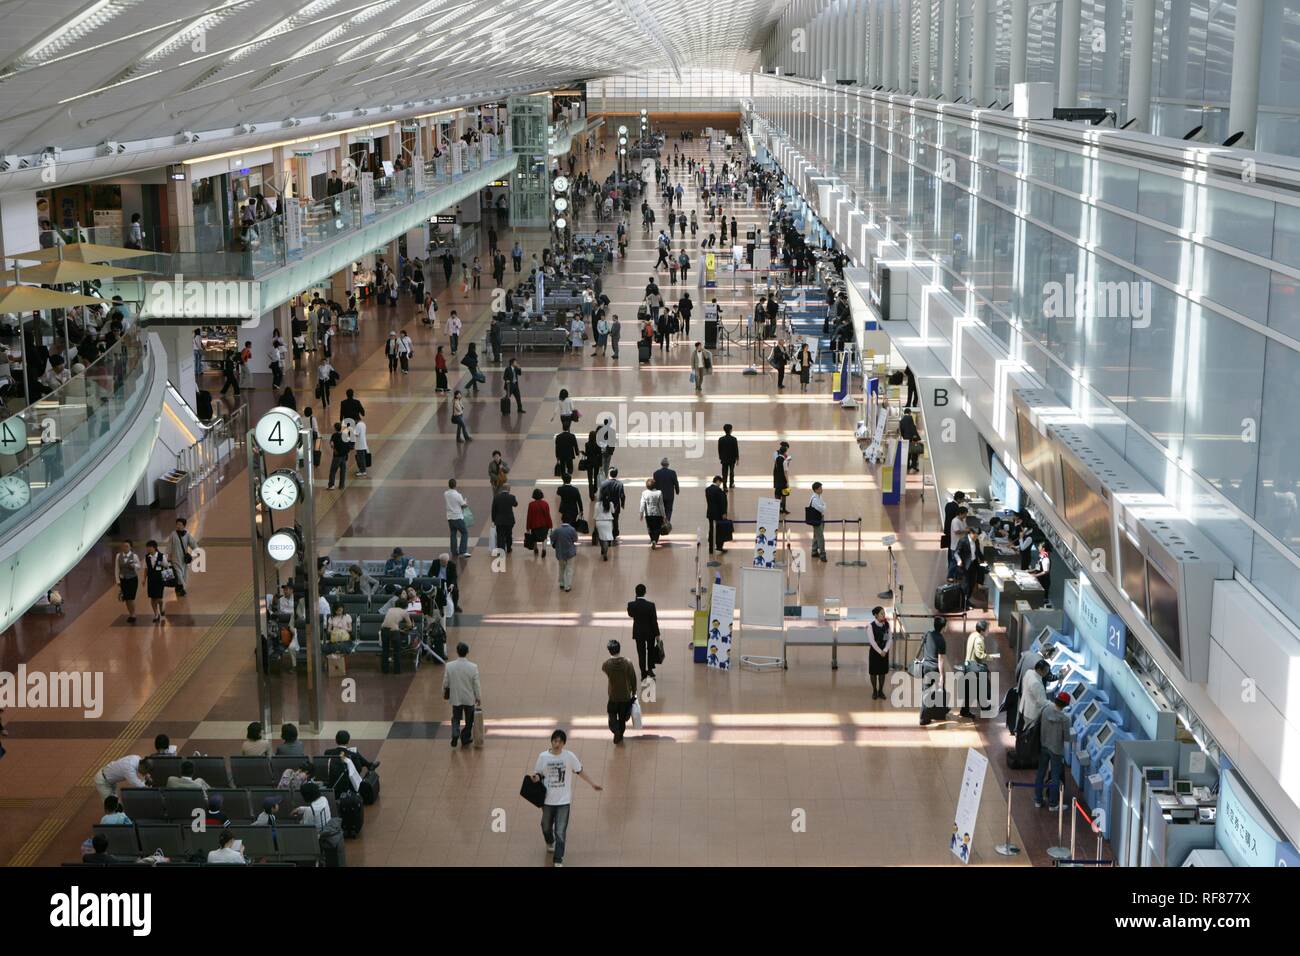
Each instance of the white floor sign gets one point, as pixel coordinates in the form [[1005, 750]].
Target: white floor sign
[[968, 804]]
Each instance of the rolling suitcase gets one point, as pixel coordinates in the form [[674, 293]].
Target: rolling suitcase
[[643, 352], [353, 812], [505, 404], [333, 850], [948, 599]]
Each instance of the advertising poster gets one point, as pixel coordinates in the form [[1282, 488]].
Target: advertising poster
[[293, 227], [722, 608], [766, 531], [968, 805], [417, 173], [457, 158], [366, 184]]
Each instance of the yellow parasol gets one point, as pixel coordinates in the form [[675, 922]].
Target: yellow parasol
[[63, 271], [81, 252], [31, 298]]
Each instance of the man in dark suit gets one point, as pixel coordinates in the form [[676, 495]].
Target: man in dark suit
[[715, 500], [907, 429], [351, 407], [503, 517], [570, 500], [566, 452], [666, 481], [645, 630], [728, 455], [445, 572], [950, 512]]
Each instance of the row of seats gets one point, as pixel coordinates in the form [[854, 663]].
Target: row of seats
[[286, 842], [146, 804], [236, 771]]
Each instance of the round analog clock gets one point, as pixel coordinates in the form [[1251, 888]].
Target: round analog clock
[[560, 184], [282, 546], [14, 492], [561, 204], [280, 490]]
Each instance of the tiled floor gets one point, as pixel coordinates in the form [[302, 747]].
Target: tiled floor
[[796, 767]]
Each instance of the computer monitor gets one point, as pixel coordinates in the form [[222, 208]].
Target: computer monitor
[[1077, 690], [1090, 712], [1105, 734], [1183, 788], [1159, 778]]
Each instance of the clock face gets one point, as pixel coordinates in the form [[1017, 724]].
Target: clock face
[[560, 184], [13, 435], [282, 546], [561, 204], [14, 493], [279, 490], [277, 431]]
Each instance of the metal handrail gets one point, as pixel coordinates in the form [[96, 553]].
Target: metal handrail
[[217, 442]]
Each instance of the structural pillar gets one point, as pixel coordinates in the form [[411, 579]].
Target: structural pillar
[[979, 56], [1020, 41], [923, 85], [180, 215], [905, 45], [1068, 77], [1139, 67], [1247, 43], [948, 51], [887, 71]]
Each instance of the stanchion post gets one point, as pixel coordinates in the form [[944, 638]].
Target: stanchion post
[[1007, 848], [1074, 824], [1060, 851]]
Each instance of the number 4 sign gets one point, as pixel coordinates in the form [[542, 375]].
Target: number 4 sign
[[13, 435]]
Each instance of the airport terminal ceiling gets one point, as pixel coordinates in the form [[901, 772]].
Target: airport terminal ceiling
[[75, 73]]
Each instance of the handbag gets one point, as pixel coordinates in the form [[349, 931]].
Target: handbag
[[636, 713], [659, 650], [534, 791], [467, 515], [480, 731], [812, 516]]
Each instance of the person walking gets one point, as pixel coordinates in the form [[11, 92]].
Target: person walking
[[976, 669], [453, 331], [405, 348], [728, 456], [701, 366], [803, 366], [503, 517], [155, 579], [612, 490], [566, 451], [615, 331], [933, 657], [565, 541], [781, 475], [645, 631], [126, 572], [470, 361], [440, 371], [361, 443], [537, 523], [593, 456], [882, 641], [622, 690], [715, 507], [556, 768], [461, 688], [393, 351], [497, 471], [517, 256], [458, 417], [779, 359], [603, 530], [815, 516], [456, 506], [510, 377], [180, 554], [652, 511]]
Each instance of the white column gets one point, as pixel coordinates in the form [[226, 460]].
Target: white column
[[1139, 69], [979, 56], [1247, 42], [905, 45], [948, 51], [888, 76], [1067, 84], [862, 10], [923, 50], [875, 15], [1020, 41]]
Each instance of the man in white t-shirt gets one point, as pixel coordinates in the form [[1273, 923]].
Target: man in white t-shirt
[[361, 445], [456, 504], [556, 768], [130, 770]]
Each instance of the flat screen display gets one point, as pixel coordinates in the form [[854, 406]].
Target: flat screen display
[[1105, 734], [1077, 691], [1090, 712], [1089, 513], [1038, 457], [1133, 571], [1162, 610]]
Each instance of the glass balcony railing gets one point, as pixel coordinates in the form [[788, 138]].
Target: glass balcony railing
[[251, 250], [69, 428]]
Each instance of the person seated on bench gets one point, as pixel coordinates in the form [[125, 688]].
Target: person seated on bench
[[292, 746], [341, 749], [359, 582], [187, 780], [225, 853], [267, 818], [339, 627], [255, 743], [315, 808], [216, 817], [395, 566], [113, 815], [101, 854]]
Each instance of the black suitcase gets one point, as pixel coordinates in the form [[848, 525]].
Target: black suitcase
[[948, 599], [370, 787], [1024, 756], [505, 404], [333, 849], [725, 531], [643, 352], [353, 812]]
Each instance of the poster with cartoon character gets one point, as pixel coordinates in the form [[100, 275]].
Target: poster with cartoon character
[[968, 804], [766, 532], [721, 610]]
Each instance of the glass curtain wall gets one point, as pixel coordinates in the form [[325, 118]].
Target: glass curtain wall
[[1193, 328]]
